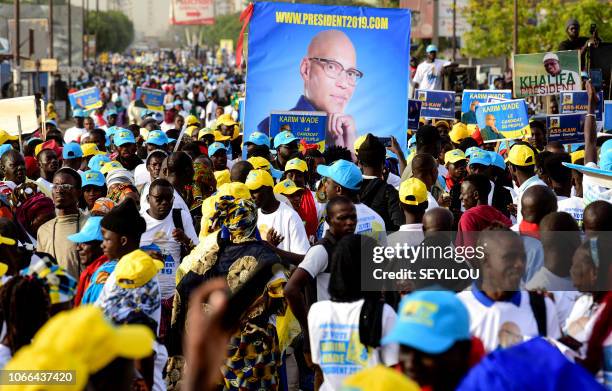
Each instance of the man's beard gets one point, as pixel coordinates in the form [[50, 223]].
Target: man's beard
[[130, 162]]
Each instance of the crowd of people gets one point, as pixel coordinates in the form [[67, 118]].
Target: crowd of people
[[132, 240]]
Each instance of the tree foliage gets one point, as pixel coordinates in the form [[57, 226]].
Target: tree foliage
[[541, 24], [115, 31]]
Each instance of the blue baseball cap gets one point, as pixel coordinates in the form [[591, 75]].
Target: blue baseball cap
[[430, 321], [79, 113], [92, 178], [258, 138], [72, 151], [92, 230], [497, 160], [4, 148], [412, 141], [480, 157], [343, 172], [284, 138], [96, 162], [470, 151], [157, 137], [431, 48], [124, 136], [215, 147], [112, 130], [50, 121], [605, 147]]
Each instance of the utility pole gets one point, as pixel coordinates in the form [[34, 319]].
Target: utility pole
[[84, 38], [50, 28], [16, 51], [97, 25], [515, 29], [454, 29], [436, 12], [69, 37]]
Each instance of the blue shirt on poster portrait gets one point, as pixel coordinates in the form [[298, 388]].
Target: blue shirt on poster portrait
[[302, 105]]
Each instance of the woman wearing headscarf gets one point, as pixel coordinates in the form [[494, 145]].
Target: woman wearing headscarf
[[204, 185], [120, 184], [32, 209], [253, 356]]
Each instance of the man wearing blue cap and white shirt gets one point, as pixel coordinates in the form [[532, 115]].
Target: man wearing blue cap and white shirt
[[126, 149], [428, 75], [74, 133], [344, 178], [257, 141], [156, 140], [479, 163], [433, 333], [72, 155]]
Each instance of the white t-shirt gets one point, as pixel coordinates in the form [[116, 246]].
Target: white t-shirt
[[287, 223], [335, 344], [73, 134], [572, 205], [429, 74], [141, 175], [533, 181], [159, 232], [591, 190], [161, 358], [368, 222], [431, 201], [488, 317], [394, 180], [315, 262], [562, 288], [410, 234]]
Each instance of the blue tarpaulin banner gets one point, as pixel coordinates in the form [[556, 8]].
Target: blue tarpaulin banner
[[607, 125], [437, 104], [150, 98], [503, 120], [574, 102], [308, 126], [565, 128], [348, 62], [87, 99], [481, 96]]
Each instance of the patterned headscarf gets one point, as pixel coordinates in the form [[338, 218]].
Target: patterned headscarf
[[122, 302], [61, 285], [203, 176], [118, 191], [239, 217], [102, 206]]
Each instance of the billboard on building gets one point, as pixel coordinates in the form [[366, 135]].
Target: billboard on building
[[192, 12]]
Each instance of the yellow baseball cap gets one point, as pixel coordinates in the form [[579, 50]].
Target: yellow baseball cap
[[459, 132], [90, 149], [222, 177], [84, 335], [413, 191], [259, 163], [577, 155], [237, 190], [220, 137], [5, 136], [359, 141], [191, 120], [287, 187], [259, 178], [521, 155], [136, 269], [191, 130], [454, 156], [296, 164], [111, 166], [203, 132], [379, 378]]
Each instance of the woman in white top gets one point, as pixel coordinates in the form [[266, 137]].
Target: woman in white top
[[344, 340]]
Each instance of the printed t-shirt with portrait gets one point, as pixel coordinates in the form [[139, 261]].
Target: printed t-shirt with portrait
[[159, 232], [334, 341], [368, 222]]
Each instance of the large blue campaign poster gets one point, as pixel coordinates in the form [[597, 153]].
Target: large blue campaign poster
[[607, 125], [87, 99], [414, 114], [309, 126], [565, 128], [150, 98], [503, 120], [573, 102], [481, 96], [437, 104], [349, 62]]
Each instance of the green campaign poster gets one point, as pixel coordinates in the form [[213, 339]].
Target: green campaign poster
[[546, 73]]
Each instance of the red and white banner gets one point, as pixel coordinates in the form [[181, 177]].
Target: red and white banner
[[192, 12]]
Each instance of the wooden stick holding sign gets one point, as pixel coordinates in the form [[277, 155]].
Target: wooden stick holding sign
[[19, 129], [43, 116]]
